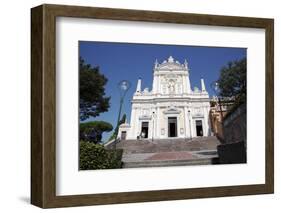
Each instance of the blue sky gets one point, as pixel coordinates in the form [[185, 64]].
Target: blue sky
[[125, 61]]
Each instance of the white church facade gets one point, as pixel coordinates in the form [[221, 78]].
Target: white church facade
[[171, 109]]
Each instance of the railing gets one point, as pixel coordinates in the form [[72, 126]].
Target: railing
[[112, 143]]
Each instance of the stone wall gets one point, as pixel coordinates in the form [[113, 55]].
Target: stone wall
[[235, 125], [234, 148], [217, 111]]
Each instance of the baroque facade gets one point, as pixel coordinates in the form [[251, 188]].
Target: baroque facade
[[171, 109]]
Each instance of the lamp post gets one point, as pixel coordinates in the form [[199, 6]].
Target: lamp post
[[153, 118], [123, 87], [216, 89], [189, 124]]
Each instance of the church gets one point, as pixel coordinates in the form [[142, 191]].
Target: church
[[171, 109]]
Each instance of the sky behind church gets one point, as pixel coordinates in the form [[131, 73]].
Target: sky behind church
[[123, 61]]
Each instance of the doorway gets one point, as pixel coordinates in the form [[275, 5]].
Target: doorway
[[123, 135], [144, 130], [172, 127], [199, 128]]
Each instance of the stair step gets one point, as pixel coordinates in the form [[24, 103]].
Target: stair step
[[167, 145], [165, 163]]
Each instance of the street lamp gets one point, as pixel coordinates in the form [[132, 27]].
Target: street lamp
[[153, 117], [216, 89], [189, 124], [123, 87]]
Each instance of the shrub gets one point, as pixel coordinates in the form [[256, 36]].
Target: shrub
[[95, 156]]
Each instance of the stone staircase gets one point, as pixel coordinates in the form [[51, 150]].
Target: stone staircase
[[168, 145], [166, 163], [168, 152]]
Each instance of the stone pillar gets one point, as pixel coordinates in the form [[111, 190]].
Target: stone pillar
[[185, 122], [138, 86], [188, 86], [184, 84], [131, 133], [189, 123], [155, 83], [158, 116], [153, 123], [159, 84], [137, 122], [206, 118], [203, 88]]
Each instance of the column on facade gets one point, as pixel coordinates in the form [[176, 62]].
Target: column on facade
[[149, 128], [156, 123], [132, 124], [155, 83], [159, 83], [137, 123], [187, 83], [206, 119], [191, 123], [184, 83], [185, 122], [153, 122]]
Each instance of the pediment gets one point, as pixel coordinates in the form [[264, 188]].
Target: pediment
[[171, 111], [145, 117], [171, 66]]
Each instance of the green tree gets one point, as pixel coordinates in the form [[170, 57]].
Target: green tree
[[91, 91], [123, 120], [233, 79], [92, 131]]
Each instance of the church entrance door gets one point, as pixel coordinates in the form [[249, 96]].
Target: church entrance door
[[144, 130], [172, 127], [199, 128], [123, 135]]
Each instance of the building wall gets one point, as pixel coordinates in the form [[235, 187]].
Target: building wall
[[158, 121], [217, 112]]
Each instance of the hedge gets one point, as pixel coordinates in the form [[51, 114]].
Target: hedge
[[95, 156]]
